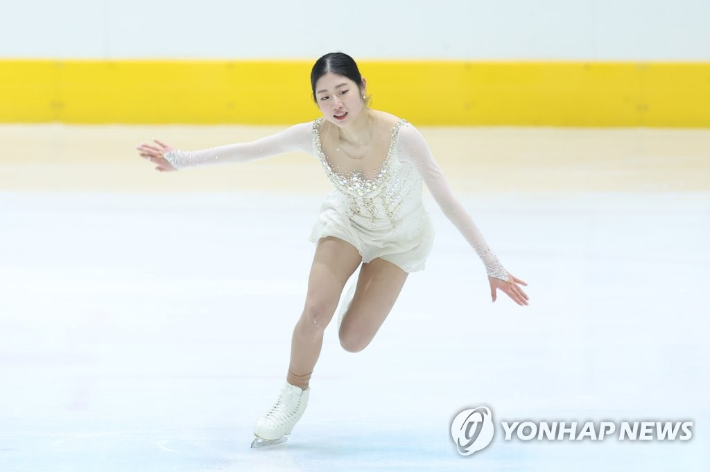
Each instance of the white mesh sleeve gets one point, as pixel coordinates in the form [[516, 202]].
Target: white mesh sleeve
[[295, 138], [411, 147]]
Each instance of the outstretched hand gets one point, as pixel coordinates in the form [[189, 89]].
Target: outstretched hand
[[510, 288], [156, 155]]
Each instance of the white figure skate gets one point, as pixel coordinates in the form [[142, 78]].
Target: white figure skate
[[274, 427]]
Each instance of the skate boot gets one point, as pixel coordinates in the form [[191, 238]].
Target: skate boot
[[273, 427]]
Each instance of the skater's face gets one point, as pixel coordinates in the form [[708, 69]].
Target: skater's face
[[339, 98]]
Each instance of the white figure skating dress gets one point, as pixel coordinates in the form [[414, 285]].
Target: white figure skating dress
[[382, 216]]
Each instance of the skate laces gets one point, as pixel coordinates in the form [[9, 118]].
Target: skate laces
[[285, 406]]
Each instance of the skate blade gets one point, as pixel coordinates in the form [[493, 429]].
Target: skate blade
[[260, 442]]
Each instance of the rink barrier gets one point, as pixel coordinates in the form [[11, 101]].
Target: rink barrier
[[450, 93]]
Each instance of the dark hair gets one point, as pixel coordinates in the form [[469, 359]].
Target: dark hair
[[337, 63]]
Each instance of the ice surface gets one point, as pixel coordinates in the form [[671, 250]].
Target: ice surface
[[147, 332]]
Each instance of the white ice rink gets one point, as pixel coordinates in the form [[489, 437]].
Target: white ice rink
[[147, 332]]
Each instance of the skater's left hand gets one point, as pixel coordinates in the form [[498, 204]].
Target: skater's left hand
[[511, 288]]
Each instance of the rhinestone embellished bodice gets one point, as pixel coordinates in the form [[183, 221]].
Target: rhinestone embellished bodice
[[391, 194]]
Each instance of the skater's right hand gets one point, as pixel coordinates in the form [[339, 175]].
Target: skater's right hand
[[156, 155]]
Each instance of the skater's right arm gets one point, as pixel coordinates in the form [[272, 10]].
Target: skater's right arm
[[295, 138]]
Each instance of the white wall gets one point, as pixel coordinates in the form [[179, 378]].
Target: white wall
[[452, 29]]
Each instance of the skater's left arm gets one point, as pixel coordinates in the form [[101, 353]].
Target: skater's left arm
[[413, 148]]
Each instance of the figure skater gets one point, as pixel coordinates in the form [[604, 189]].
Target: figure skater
[[374, 219]]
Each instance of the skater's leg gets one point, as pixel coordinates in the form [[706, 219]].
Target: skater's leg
[[378, 287], [334, 262]]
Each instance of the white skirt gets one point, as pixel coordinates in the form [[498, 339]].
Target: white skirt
[[407, 246]]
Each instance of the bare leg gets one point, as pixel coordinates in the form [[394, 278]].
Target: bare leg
[[334, 262], [378, 287]]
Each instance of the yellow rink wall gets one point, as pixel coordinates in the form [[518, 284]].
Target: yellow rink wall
[[662, 94]]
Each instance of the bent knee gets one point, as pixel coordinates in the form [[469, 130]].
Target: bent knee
[[352, 341]]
